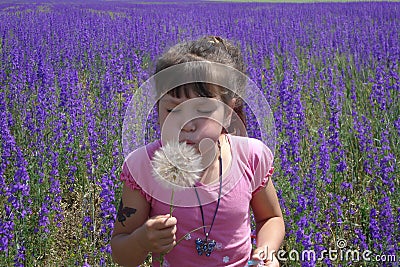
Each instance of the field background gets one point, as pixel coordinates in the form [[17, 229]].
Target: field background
[[330, 72]]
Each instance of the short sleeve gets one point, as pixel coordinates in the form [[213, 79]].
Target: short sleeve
[[127, 178], [264, 181], [261, 161]]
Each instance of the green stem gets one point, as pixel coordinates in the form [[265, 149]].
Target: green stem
[[171, 209], [171, 204]]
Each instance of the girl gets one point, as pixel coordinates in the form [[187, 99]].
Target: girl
[[208, 117]]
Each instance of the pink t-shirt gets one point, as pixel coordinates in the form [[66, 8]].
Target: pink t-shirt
[[249, 171]]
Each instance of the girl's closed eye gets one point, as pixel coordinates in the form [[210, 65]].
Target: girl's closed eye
[[207, 108], [206, 111]]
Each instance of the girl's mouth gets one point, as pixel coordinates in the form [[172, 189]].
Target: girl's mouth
[[190, 142]]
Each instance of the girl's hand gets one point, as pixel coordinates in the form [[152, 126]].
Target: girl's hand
[[265, 260], [159, 233]]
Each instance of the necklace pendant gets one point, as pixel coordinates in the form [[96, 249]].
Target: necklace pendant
[[205, 246]]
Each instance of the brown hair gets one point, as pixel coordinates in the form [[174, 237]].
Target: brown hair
[[212, 49]]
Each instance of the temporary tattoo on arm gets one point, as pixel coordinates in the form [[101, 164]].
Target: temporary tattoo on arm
[[124, 212]]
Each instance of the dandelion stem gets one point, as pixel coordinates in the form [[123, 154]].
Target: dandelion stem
[[192, 231], [183, 237], [171, 203]]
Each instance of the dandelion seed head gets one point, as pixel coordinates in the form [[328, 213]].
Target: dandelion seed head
[[177, 164]]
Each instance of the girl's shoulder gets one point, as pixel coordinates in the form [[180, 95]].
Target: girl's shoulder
[[251, 151], [250, 146], [244, 139], [143, 154], [137, 168], [253, 155]]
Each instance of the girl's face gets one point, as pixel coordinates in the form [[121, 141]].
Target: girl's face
[[198, 121]]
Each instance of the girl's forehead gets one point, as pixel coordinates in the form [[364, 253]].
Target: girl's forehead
[[192, 90], [170, 98], [167, 99]]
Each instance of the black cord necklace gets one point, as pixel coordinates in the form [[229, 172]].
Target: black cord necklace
[[206, 245]]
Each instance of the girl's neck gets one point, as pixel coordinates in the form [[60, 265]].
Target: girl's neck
[[211, 174]]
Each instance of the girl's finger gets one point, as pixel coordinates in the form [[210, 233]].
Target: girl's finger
[[161, 222], [163, 248], [167, 232], [167, 241]]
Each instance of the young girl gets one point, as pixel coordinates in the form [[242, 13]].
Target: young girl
[[236, 179]]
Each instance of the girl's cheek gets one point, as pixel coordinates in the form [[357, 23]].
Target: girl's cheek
[[169, 132]]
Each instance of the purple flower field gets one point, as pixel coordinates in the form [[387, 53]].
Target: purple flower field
[[330, 72]]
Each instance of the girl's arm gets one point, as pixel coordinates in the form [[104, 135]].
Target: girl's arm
[[135, 235], [270, 227]]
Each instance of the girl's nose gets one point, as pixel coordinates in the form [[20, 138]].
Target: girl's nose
[[190, 126]]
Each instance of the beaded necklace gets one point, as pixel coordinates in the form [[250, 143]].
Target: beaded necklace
[[206, 245]]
